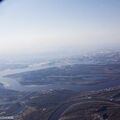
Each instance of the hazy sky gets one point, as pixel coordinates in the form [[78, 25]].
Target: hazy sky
[[38, 26]]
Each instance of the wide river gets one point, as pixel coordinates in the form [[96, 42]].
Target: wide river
[[15, 85]]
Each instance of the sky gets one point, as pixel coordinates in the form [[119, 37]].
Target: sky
[[44, 26]]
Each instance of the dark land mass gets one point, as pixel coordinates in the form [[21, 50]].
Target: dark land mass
[[95, 105]]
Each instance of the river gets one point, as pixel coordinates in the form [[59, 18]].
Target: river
[[14, 84]]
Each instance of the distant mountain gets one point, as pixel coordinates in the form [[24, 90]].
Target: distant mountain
[[107, 57]]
